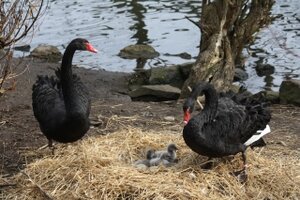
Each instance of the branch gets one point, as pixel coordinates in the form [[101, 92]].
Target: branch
[[195, 23], [27, 28]]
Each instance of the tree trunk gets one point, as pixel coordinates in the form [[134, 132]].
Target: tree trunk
[[226, 27]]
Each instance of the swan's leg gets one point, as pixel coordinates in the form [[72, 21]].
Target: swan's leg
[[50, 145], [242, 174], [244, 161]]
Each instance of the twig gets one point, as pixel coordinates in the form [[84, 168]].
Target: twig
[[48, 197], [16, 75], [3, 123], [201, 106], [7, 185]]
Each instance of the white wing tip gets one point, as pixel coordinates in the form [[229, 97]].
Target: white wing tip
[[254, 138]]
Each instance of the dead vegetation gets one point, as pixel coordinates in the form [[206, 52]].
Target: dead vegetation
[[18, 20], [101, 167]]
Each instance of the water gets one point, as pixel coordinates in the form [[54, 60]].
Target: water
[[110, 25], [279, 46]]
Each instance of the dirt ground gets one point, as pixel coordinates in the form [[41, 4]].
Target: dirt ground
[[20, 134]]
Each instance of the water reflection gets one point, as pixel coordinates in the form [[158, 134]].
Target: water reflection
[[141, 34], [110, 25], [278, 46]]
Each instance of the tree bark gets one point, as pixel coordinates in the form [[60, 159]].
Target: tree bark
[[226, 27]]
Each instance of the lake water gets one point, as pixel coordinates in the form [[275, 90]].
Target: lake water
[[110, 25]]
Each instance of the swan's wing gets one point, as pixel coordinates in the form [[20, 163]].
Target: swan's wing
[[240, 122], [259, 134], [46, 98]]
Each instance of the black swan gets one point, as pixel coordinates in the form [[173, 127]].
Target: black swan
[[62, 104], [226, 126]]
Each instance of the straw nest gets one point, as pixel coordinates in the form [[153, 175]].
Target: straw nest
[[101, 167]]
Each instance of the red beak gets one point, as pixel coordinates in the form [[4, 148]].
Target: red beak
[[90, 48], [186, 117]]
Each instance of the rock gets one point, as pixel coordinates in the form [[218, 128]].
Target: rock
[[185, 69], [173, 75], [235, 88], [138, 51], [183, 55], [49, 52], [264, 69], [289, 92], [155, 93], [166, 75], [169, 118], [240, 75], [24, 48], [139, 78], [272, 96]]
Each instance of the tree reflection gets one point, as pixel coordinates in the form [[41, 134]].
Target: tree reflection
[[141, 33]]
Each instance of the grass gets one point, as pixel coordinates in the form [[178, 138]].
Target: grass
[[101, 167]]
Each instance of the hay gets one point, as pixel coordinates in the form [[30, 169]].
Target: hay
[[100, 167]]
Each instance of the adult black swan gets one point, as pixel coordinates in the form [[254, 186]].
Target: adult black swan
[[62, 104], [226, 126]]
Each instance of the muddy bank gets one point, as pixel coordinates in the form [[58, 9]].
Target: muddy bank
[[112, 109]]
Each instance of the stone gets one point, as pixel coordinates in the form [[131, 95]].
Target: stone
[[174, 75], [289, 92], [185, 69], [183, 55], [139, 78], [138, 51], [235, 88], [48, 52], [166, 75], [240, 75], [155, 93], [272, 96], [264, 69], [169, 118], [24, 48]]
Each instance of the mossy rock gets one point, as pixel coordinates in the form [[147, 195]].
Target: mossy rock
[[47, 52], [139, 78], [155, 93], [289, 92], [166, 75], [138, 51]]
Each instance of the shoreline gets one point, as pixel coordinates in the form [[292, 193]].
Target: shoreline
[[101, 83], [21, 137]]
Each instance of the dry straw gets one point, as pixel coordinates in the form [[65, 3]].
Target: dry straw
[[101, 167]]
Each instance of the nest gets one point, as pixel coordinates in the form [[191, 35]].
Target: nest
[[101, 167]]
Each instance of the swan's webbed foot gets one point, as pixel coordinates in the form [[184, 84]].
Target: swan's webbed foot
[[207, 165], [242, 175]]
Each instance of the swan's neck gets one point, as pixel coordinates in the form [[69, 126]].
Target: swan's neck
[[211, 103], [66, 77]]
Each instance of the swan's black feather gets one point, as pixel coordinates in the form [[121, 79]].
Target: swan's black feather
[[225, 124], [62, 104]]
